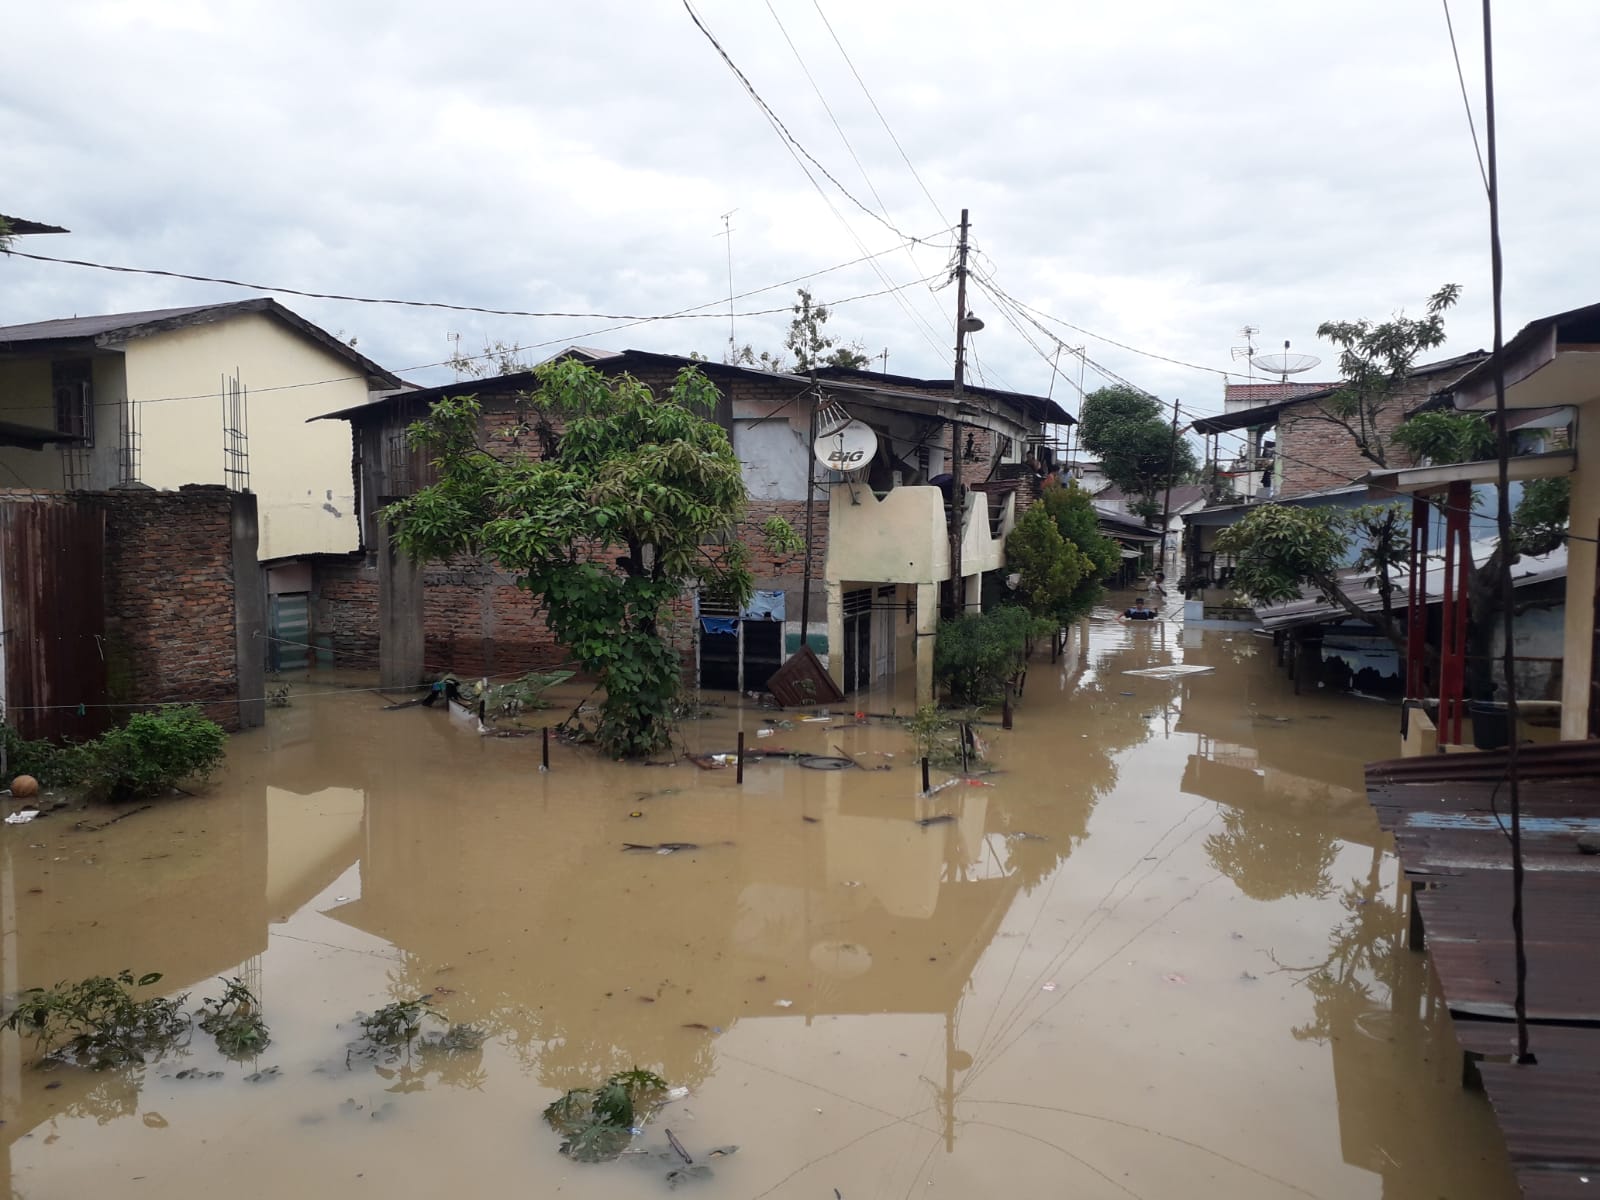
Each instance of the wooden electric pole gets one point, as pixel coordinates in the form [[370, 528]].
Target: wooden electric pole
[[957, 507]]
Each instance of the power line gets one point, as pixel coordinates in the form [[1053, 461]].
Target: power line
[[885, 121], [838, 128], [1465, 102], [470, 308], [566, 339], [777, 123]]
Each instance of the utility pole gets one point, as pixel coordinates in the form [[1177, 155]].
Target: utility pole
[[1166, 507], [957, 507]]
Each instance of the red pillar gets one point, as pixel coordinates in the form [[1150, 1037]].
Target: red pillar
[[1453, 657]]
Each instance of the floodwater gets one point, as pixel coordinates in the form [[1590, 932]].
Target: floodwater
[[1157, 954]]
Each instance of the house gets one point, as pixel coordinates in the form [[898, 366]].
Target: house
[[1551, 365], [162, 398], [1184, 498], [885, 545], [1295, 445]]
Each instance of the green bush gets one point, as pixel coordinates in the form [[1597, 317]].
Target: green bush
[[150, 755], [51, 765], [976, 654]]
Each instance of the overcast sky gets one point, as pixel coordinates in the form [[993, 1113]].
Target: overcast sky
[[1159, 172]]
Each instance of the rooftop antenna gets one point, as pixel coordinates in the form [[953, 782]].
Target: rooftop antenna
[[1285, 364], [727, 232], [1247, 351]]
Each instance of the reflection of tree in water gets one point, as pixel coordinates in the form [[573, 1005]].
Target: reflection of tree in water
[[1270, 857], [115, 1094], [1363, 957], [541, 1042]]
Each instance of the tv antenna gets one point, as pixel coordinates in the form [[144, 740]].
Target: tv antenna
[[727, 232], [1248, 350], [1285, 364]]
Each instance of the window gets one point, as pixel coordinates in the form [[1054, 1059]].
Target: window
[[72, 385]]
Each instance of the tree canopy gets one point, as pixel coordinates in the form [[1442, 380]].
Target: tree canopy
[[1131, 433], [807, 342], [632, 505]]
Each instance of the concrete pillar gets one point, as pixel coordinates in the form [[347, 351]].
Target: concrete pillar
[[249, 614], [400, 662], [927, 625], [833, 601]]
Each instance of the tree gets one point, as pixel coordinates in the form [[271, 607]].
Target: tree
[[632, 472], [1139, 450], [1073, 512], [1375, 361], [1049, 568], [496, 358], [808, 343], [5, 235]]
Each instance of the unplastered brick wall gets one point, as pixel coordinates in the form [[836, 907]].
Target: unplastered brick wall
[[170, 601], [345, 611], [1314, 454]]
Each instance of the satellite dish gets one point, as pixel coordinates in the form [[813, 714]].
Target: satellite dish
[[848, 448], [1285, 364]]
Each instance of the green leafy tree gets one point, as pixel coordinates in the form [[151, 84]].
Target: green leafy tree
[[1131, 433], [976, 654], [1049, 568], [807, 343], [1446, 437], [631, 506], [1375, 362], [1073, 513], [5, 235]]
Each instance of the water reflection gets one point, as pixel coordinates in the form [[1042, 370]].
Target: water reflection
[[820, 936]]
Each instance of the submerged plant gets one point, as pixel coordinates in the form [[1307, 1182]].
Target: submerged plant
[[234, 1020], [600, 1122], [396, 1024], [97, 1023]]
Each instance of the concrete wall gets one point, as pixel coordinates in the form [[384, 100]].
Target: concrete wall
[[1578, 669], [300, 473], [898, 539]]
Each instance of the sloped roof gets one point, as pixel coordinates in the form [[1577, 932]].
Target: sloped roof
[[1268, 393], [1183, 495], [1267, 414], [109, 329], [866, 384]]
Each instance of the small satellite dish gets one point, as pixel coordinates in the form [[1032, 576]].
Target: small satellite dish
[[848, 448]]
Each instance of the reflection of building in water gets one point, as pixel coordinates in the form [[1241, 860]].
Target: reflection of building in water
[[189, 893], [586, 959]]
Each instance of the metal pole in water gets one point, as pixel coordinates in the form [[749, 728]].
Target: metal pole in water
[[965, 733], [544, 751], [924, 772], [738, 776], [1005, 710]]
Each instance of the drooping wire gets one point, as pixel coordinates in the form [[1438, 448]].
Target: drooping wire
[[884, 120], [1465, 102], [777, 123]]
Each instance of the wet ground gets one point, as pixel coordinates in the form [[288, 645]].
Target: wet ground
[[1156, 954]]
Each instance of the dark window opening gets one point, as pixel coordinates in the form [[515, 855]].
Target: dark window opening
[[72, 385]]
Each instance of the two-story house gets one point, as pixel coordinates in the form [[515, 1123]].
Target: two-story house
[[886, 538]]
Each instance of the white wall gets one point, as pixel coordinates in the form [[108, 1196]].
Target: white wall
[[898, 539], [300, 473]]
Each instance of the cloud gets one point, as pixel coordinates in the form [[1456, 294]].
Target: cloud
[[1161, 174]]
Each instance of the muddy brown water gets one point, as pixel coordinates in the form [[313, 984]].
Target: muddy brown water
[[1159, 955]]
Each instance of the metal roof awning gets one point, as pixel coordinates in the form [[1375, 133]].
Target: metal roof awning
[[1520, 468], [1552, 362], [1313, 609], [32, 437], [1126, 553]]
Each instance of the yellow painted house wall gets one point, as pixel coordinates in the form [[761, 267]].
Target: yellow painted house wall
[[1578, 654], [301, 474], [25, 399]]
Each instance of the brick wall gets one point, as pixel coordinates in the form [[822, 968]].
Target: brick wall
[[1314, 454], [170, 601], [344, 608]]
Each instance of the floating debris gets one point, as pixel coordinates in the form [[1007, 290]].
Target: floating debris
[[941, 819], [665, 847], [1175, 671], [1022, 836]]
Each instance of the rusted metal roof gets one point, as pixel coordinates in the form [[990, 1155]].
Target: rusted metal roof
[[1448, 814]]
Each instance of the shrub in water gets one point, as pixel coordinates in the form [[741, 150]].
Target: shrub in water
[[151, 754], [97, 1023]]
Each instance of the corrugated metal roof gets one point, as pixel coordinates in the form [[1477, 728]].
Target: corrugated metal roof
[[1313, 609]]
